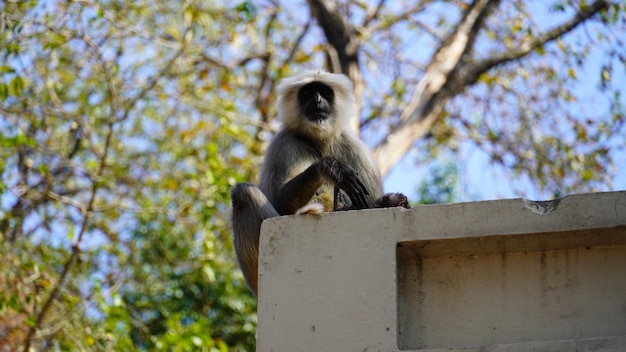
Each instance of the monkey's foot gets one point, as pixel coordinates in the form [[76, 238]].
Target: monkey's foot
[[389, 200], [312, 208]]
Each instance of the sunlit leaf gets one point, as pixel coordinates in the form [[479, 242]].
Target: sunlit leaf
[[541, 50], [4, 91], [16, 86], [6, 69], [136, 118]]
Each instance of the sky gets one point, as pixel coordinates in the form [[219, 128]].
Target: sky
[[480, 179]]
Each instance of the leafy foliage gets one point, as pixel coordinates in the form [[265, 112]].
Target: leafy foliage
[[123, 126], [118, 158], [442, 186]]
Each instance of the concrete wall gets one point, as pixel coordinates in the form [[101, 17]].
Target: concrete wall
[[505, 275]]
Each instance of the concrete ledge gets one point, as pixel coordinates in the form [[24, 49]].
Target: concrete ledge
[[505, 275]]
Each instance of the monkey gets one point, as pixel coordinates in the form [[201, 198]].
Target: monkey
[[315, 163]]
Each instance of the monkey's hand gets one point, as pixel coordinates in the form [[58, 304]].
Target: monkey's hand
[[389, 200], [345, 178]]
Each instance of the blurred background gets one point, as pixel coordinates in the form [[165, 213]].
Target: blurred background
[[123, 126]]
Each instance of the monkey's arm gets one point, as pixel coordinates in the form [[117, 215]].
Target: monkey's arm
[[299, 190]]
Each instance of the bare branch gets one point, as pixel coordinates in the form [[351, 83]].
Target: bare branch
[[88, 210], [296, 45], [448, 74], [262, 97], [406, 15], [338, 32], [429, 98], [373, 14], [472, 73], [265, 88], [75, 247], [153, 81]]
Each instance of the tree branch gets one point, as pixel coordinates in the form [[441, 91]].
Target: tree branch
[[338, 32], [448, 74], [87, 212], [406, 15], [76, 246], [471, 74], [373, 13], [342, 38], [430, 96]]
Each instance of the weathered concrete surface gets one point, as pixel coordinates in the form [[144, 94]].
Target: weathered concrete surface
[[506, 275]]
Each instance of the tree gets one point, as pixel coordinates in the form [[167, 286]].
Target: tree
[[124, 125], [443, 187], [118, 157], [495, 57]]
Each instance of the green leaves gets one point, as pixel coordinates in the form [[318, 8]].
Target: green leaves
[[104, 126], [16, 86], [11, 83], [247, 9], [4, 91], [20, 140], [442, 185], [134, 119]]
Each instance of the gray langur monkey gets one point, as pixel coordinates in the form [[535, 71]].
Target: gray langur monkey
[[314, 164]]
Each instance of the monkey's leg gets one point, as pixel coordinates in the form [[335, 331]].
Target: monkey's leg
[[250, 208], [299, 190], [388, 200]]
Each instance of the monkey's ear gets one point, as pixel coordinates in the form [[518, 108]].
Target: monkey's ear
[[312, 208]]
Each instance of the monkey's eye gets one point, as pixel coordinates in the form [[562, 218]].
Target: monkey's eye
[[326, 92], [316, 89], [305, 91]]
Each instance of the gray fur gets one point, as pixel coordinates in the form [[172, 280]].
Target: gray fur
[[296, 149]]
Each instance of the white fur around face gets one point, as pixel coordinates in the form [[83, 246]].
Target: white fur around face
[[288, 111]]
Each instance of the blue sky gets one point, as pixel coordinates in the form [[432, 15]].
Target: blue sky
[[480, 179]]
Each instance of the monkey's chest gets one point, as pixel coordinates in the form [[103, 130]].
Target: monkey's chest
[[325, 195]]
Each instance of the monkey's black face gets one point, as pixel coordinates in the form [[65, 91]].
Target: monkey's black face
[[316, 101]]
